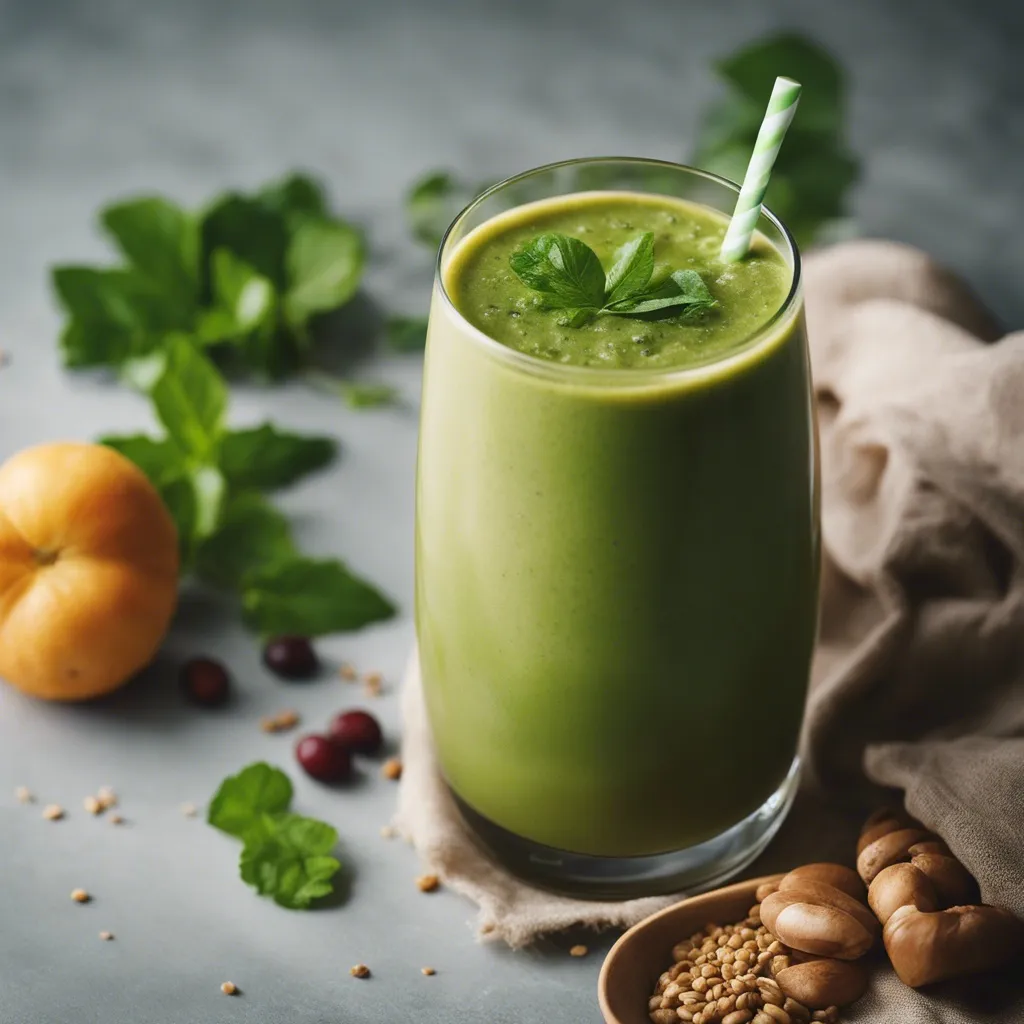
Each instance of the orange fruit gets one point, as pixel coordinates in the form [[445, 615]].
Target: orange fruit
[[88, 570]]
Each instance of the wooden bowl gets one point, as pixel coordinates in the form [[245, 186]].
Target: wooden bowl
[[636, 961]]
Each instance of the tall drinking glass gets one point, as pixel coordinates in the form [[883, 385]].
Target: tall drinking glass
[[617, 578]]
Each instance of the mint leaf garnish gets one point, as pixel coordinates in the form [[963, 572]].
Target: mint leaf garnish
[[563, 269], [310, 597], [567, 272], [250, 532], [815, 169], [265, 458], [406, 333], [682, 288], [285, 856], [242, 799], [289, 860], [632, 270]]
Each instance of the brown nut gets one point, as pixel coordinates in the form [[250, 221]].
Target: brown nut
[[837, 875], [824, 931], [765, 889], [954, 885], [901, 885], [881, 823], [925, 948], [823, 983], [887, 850], [809, 891]]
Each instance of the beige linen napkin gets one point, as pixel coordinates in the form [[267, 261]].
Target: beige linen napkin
[[919, 676]]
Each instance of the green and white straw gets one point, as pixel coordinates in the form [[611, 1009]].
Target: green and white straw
[[777, 119]]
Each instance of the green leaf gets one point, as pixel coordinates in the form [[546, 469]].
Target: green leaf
[[576, 317], [310, 598], [242, 799], [161, 240], [179, 496], [142, 372], [190, 399], [632, 270], [265, 458], [251, 533], [210, 490], [406, 333], [563, 268], [366, 396], [251, 230], [114, 314], [324, 265], [433, 202], [159, 458], [289, 860], [295, 197], [246, 296], [683, 288]]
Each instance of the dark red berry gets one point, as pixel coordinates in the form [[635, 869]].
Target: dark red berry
[[205, 682], [291, 657], [357, 731], [324, 759]]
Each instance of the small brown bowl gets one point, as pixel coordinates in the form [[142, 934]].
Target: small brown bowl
[[633, 965]]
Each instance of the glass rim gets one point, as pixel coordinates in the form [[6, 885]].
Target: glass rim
[[620, 375]]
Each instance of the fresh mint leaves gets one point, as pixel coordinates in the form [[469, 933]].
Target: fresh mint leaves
[[209, 477], [246, 276], [285, 856], [406, 333], [815, 169], [568, 273]]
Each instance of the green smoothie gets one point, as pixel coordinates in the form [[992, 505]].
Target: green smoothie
[[617, 542]]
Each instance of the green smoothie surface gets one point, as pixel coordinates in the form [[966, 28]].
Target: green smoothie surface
[[687, 236]]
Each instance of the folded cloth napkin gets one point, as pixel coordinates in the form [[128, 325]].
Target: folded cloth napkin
[[918, 682]]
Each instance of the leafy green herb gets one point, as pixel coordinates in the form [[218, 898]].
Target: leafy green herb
[[285, 856], [406, 333], [433, 203], [228, 534], [568, 273], [815, 169], [246, 276], [355, 394], [311, 597]]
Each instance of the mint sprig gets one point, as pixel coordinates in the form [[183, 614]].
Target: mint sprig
[[211, 478], [285, 856], [246, 277], [568, 273]]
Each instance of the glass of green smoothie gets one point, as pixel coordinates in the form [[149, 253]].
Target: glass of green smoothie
[[617, 527]]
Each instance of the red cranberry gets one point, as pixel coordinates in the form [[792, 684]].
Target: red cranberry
[[291, 657], [205, 682], [324, 759], [357, 731]]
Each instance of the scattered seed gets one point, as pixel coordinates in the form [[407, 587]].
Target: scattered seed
[[392, 769], [373, 683], [360, 971], [189, 810], [80, 896], [578, 951], [107, 936], [428, 971], [92, 805], [116, 819], [23, 795], [229, 988], [348, 673], [53, 812], [388, 832], [107, 797], [281, 722], [428, 883]]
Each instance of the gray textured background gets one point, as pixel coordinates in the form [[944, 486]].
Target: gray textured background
[[187, 97]]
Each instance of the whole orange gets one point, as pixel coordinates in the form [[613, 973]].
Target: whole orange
[[88, 570]]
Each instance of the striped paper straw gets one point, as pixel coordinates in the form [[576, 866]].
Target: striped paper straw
[[777, 118]]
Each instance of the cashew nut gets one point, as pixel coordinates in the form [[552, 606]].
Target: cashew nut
[[837, 875], [822, 983], [886, 850], [824, 931], [900, 885]]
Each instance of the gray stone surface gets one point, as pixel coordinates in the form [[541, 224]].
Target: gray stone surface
[[186, 97]]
